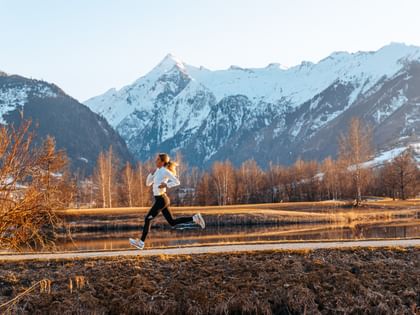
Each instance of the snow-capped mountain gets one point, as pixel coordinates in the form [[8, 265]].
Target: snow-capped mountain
[[82, 133], [269, 114]]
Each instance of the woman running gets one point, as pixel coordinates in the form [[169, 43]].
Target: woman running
[[163, 177]]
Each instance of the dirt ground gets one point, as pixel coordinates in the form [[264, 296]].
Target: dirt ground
[[351, 281]]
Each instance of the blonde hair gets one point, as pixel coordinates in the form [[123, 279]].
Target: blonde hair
[[170, 165]]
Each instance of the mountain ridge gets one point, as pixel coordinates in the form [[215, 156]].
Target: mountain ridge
[[76, 129], [169, 107]]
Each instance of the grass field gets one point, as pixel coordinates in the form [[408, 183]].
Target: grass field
[[319, 206]]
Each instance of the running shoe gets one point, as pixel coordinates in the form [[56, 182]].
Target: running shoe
[[198, 218], [136, 243]]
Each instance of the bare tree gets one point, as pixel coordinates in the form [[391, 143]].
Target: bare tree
[[404, 171], [297, 173], [54, 176], [330, 178], [355, 148], [311, 182], [105, 175], [223, 179], [204, 193], [32, 186], [272, 179], [192, 181], [386, 182], [139, 185], [112, 166], [128, 183], [249, 181], [100, 177]]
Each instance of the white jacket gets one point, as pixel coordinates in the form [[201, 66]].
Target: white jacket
[[161, 175]]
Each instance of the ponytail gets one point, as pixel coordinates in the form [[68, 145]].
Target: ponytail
[[171, 166]]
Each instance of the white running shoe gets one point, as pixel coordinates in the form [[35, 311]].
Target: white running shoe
[[198, 218], [136, 243]]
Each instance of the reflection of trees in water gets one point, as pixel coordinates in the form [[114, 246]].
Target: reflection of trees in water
[[218, 235], [403, 231], [357, 231]]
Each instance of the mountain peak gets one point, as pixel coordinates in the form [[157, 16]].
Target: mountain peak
[[171, 60], [167, 63], [171, 56], [3, 74]]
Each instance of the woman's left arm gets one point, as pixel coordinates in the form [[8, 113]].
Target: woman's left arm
[[173, 180]]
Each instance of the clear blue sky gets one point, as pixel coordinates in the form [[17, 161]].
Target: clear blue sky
[[89, 46]]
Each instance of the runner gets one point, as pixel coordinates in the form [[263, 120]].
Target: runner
[[163, 177]]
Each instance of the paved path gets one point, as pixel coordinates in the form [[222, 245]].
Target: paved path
[[213, 249]]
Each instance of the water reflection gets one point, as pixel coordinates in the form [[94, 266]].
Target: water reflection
[[159, 237]]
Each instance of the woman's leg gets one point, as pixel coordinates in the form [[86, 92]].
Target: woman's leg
[[168, 216], [158, 205]]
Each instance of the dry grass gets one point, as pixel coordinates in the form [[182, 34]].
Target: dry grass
[[298, 209], [214, 209], [374, 281]]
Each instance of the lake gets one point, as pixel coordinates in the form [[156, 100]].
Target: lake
[[193, 235]]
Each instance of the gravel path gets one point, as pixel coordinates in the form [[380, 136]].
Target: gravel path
[[213, 249]]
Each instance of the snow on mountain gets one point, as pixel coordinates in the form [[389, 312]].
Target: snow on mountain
[[174, 104], [300, 83], [76, 129], [385, 156], [389, 155], [143, 94], [16, 96], [297, 84]]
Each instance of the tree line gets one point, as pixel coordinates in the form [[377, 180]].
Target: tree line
[[346, 177], [26, 169]]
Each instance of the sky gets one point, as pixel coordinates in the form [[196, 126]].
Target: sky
[[89, 46]]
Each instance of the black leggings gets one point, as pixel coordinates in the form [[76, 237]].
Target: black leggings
[[161, 204]]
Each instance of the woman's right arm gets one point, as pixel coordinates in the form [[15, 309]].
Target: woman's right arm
[[149, 179]]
